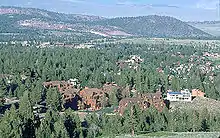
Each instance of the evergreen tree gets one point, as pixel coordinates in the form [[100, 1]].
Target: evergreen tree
[[54, 99], [72, 124], [10, 124]]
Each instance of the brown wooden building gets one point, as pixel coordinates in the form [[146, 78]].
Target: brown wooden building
[[67, 89], [144, 101], [92, 98]]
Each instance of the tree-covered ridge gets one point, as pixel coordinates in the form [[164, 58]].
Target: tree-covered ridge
[[49, 15], [154, 26], [31, 22]]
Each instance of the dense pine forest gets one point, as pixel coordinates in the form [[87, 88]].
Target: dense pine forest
[[27, 68]]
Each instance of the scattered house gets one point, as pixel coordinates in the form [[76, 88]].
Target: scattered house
[[144, 101], [212, 55], [160, 70], [135, 59], [59, 44], [133, 62], [23, 77], [92, 98], [184, 96], [45, 44], [74, 82], [25, 43], [197, 93], [62, 86]]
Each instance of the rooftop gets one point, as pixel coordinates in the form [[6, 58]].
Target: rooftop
[[175, 93]]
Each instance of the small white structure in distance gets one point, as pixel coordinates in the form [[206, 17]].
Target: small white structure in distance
[[183, 96]]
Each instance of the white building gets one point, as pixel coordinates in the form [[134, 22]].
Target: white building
[[74, 81], [184, 96]]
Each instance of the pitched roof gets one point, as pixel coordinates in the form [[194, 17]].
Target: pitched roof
[[90, 91]]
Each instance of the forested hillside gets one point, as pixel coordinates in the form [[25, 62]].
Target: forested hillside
[[16, 22], [154, 26], [24, 69]]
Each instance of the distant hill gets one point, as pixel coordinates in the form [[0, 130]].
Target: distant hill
[[30, 21], [154, 26], [48, 15], [211, 27]]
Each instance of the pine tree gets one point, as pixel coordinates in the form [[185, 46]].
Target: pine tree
[[60, 130], [25, 107], [10, 124], [26, 113], [72, 124], [54, 99], [204, 119], [94, 125], [44, 130], [175, 84]]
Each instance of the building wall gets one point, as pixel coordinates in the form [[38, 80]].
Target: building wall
[[92, 98], [184, 96], [197, 93]]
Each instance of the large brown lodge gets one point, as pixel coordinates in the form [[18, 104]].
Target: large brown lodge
[[94, 98]]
